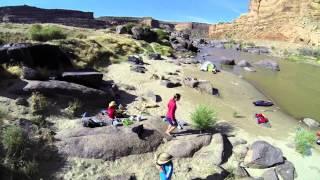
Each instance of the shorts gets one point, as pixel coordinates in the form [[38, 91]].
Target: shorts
[[172, 122]]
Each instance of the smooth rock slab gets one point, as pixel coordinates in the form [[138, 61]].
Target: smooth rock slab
[[92, 79], [286, 171], [270, 175], [263, 155], [187, 146], [107, 143], [213, 153], [269, 64]]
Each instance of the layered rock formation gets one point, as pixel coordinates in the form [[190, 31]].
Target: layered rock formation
[[28, 14], [285, 20], [196, 29]]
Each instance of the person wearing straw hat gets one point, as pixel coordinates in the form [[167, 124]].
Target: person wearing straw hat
[[165, 166]]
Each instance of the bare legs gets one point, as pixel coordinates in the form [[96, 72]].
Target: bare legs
[[170, 129]]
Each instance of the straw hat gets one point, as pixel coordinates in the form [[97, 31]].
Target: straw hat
[[112, 103], [164, 158]]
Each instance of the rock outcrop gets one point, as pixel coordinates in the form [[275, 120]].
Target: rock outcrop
[[283, 20], [28, 14]]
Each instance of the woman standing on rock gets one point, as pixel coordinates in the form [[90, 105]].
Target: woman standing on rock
[[171, 117], [165, 166]]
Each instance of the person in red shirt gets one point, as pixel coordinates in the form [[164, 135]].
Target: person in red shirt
[[111, 111], [171, 117]]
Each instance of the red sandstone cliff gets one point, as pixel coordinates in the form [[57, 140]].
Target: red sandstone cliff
[[285, 20]]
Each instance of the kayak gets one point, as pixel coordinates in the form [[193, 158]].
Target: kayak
[[263, 103]]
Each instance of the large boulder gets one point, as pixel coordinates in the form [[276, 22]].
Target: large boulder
[[155, 56], [244, 63], [121, 29], [138, 69], [263, 155], [54, 87], [206, 87], [144, 33], [135, 59], [91, 79], [311, 123], [32, 74], [180, 41], [214, 152], [35, 55], [286, 171], [107, 143], [270, 175], [268, 64], [225, 61], [188, 145]]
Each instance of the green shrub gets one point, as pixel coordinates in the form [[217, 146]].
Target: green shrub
[[162, 35], [39, 103], [163, 50], [313, 52], [73, 108], [14, 141], [203, 117], [129, 26], [39, 120], [304, 140], [47, 33]]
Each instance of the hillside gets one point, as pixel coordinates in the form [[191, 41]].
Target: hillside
[[295, 21]]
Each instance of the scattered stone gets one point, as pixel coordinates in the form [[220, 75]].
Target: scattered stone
[[235, 141], [155, 56], [153, 97], [168, 84], [286, 171], [311, 123], [188, 145], [263, 155], [154, 77], [213, 153], [240, 151], [269, 64], [91, 79], [244, 63], [22, 101], [241, 172], [227, 61], [270, 175], [138, 69], [135, 59]]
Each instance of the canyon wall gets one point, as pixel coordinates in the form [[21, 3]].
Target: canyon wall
[[282, 20], [28, 15], [198, 30]]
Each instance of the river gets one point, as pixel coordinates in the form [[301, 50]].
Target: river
[[295, 88]]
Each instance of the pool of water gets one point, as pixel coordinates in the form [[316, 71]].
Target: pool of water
[[295, 89]]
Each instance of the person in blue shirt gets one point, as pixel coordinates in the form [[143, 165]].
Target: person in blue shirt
[[165, 166]]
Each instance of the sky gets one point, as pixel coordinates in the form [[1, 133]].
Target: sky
[[206, 11]]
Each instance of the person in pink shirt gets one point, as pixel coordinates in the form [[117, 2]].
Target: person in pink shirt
[[171, 117]]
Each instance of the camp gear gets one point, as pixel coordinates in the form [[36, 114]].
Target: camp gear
[[127, 122], [208, 66], [166, 171], [263, 103], [164, 158], [261, 119]]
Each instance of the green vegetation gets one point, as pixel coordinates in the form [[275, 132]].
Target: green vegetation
[[203, 117], [73, 108], [46, 33], [304, 140], [128, 27], [163, 50], [162, 35], [304, 55], [39, 120], [39, 103], [14, 141]]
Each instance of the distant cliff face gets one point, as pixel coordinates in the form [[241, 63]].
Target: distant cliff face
[[285, 20], [28, 14], [196, 29]]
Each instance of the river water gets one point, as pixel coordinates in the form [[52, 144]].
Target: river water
[[295, 88]]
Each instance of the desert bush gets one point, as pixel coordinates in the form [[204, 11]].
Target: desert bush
[[14, 141], [304, 141], [38, 120], [203, 117], [46, 33], [73, 108], [39, 103], [128, 27], [15, 71], [162, 35], [163, 50]]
